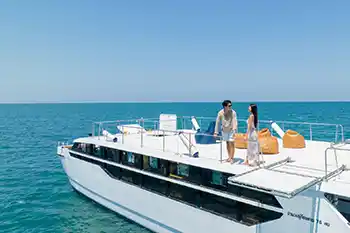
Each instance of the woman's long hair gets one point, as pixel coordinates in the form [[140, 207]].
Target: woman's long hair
[[254, 111]]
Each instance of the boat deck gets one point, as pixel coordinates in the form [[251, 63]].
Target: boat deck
[[286, 173]]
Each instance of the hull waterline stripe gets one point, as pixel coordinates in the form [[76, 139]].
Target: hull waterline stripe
[[127, 209]]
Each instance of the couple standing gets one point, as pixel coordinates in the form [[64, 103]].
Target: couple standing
[[228, 118]]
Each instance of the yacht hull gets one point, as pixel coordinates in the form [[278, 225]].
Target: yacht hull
[[162, 214]]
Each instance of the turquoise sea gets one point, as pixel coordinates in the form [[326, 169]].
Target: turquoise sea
[[35, 195]]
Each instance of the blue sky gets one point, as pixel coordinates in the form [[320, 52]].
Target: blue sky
[[77, 51]]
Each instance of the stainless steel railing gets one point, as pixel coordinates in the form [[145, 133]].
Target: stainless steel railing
[[335, 149], [322, 130], [144, 125], [184, 123], [305, 128]]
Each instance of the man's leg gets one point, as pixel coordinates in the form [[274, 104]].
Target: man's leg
[[226, 137], [232, 145], [232, 149], [228, 147]]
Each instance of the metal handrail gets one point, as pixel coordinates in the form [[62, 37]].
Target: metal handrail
[[174, 132], [214, 118], [332, 147], [284, 122], [156, 121]]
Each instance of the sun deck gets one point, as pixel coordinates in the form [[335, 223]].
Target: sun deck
[[286, 173]]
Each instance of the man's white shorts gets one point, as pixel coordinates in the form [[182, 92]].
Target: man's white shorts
[[228, 136]]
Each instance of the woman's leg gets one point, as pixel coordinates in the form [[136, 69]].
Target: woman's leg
[[251, 148], [254, 149]]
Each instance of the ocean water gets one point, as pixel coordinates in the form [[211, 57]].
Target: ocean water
[[35, 195]]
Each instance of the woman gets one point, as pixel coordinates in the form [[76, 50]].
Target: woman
[[252, 135]]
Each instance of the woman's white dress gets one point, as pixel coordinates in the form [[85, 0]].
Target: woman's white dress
[[253, 146]]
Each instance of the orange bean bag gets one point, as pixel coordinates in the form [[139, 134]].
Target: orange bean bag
[[268, 145], [264, 133], [293, 139], [241, 141]]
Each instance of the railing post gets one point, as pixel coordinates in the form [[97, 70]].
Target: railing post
[[122, 134], [177, 145], [310, 132], [325, 162], [190, 144], [163, 140], [93, 129], [336, 133], [220, 149], [260, 153], [143, 126], [99, 130]]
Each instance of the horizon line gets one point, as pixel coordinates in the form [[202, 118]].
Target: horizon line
[[169, 101]]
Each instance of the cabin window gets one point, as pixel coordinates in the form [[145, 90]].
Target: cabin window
[[214, 179], [146, 162], [154, 184], [217, 178], [153, 162], [97, 151], [252, 215], [131, 177], [83, 147], [76, 146], [109, 154], [221, 206], [184, 194], [115, 155], [103, 152], [164, 167], [124, 157], [138, 161], [89, 149], [183, 169], [261, 197], [195, 175], [237, 211], [131, 157], [113, 171], [178, 170], [156, 165], [342, 204]]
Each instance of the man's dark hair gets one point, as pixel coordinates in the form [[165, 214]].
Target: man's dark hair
[[226, 102]]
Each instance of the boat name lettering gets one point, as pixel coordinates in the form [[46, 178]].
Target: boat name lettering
[[301, 216]]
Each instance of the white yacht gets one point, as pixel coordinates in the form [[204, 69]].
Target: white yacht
[[171, 178]]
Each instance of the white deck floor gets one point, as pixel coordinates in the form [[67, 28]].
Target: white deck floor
[[307, 164]]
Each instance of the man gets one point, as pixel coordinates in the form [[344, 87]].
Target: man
[[228, 118]]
